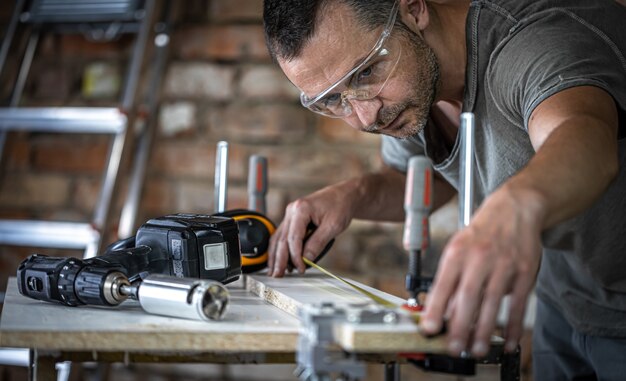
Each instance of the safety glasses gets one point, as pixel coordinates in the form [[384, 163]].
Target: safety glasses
[[365, 81]]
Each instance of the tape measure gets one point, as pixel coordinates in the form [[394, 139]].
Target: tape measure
[[255, 231], [412, 313]]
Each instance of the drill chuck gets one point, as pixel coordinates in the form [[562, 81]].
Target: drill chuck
[[100, 286]]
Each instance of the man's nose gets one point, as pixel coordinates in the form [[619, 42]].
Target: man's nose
[[366, 110]]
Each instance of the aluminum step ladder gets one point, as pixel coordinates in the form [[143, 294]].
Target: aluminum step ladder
[[97, 20]]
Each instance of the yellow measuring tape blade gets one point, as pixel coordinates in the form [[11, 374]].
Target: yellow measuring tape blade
[[382, 301]]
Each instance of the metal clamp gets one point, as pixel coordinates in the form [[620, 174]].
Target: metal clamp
[[319, 357]]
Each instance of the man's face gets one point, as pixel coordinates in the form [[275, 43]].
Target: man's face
[[401, 108]]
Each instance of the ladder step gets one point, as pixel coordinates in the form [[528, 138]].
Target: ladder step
[[14, 356], [62, 235], [46, 11], [82, 120]]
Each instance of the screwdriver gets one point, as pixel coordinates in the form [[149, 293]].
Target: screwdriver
[[257, 183], [417, 206]]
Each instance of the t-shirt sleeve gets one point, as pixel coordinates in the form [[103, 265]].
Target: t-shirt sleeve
[[548, 55], [397, 152]]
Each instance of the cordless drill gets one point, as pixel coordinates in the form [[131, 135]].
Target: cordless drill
[[180, 245]]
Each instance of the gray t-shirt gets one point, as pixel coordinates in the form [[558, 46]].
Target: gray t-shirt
[[521, 52]]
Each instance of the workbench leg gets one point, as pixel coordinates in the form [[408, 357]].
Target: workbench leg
[[42, 367], [510, 366], [392, 371]]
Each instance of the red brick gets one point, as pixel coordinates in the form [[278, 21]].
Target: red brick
[[53, 83], [85, 154], [157, 196], [236, 10], [199, 197], [228, 42], [86, 193], [14, 214], [177, 119], [192, 11], [5, 13], [182, 159], [17, 151], [76, 46], [335, 130], [28, 190], [263, 123], [266, 82], [202, 80], [194, 197], [310, 166]]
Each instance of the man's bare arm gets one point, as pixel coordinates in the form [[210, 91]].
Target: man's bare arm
[[575, 135], [381, 195], [377, 196]]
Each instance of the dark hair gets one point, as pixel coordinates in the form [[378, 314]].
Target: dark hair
[[289, 24]]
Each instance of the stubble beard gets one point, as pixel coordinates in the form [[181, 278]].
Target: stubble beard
[[425, 83]]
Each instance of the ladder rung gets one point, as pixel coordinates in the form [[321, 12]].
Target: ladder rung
[[63, 235], [54, 11], [14, 356], [85, 120]]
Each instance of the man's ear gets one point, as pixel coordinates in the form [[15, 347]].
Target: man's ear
[[414, 14]]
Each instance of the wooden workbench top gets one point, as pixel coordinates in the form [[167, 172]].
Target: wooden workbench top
[[250, 324], [260, 318]]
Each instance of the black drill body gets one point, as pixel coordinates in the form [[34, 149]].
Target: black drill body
[[182, 245]]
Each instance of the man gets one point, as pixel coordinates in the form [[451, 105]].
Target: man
[[547, 83]]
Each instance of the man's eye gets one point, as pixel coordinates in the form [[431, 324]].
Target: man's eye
[[332, 99], [364, 74]]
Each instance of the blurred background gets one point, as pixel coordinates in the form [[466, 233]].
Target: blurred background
[[217, 83]]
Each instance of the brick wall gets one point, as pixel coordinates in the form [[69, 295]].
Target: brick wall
[[219, 85]]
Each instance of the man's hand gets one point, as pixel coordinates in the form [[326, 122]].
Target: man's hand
[[376, 196], [574, 133], [330, 209], [497, 254]]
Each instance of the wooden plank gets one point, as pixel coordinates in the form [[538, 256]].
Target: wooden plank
[[293, 291], [249, 325]]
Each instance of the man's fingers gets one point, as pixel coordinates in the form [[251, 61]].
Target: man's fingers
[[295, 239], [492, 298], [271, 250], [442, 290], [318, 241], [516, 312], [280, 261], [469, 296]]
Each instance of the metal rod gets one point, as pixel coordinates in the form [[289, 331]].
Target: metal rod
[[27, 61], [131, 206], [21, 80], [221, 176], [116, 148], [134, 70], [108, 181], [466, 181], [8, 35], [392, 371]]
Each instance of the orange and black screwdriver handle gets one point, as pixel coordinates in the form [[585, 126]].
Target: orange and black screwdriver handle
[[255, 231]]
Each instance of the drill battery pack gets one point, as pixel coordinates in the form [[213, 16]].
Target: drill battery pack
[[189, 246]]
